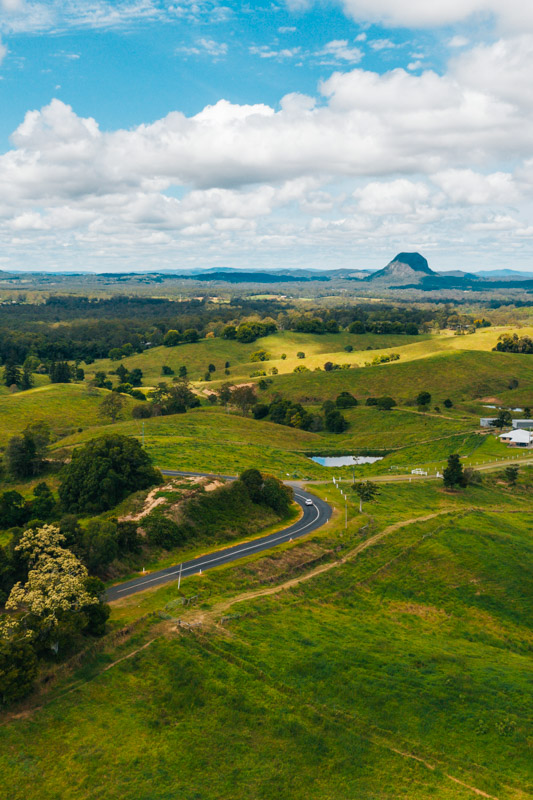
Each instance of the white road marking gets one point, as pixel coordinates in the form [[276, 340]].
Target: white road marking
[[224, 555]]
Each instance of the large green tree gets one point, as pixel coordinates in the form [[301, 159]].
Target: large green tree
[[103, 472], [453, 476]]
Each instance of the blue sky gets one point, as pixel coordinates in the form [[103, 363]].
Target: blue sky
[[160, 134]]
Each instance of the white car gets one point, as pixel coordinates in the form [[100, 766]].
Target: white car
[[308, 502]]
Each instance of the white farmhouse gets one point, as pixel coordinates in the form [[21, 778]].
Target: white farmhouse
[[517, 438]]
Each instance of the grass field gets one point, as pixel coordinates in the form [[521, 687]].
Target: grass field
[[401, 673], [317, 348], [64, 406]]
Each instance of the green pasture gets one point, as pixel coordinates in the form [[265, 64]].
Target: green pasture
[[462, 376], [403, 673], [63, 406]]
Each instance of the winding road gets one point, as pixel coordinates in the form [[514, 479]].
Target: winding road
[[314, 516]]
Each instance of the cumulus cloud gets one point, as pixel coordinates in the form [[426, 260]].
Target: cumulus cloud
[[411, 157], [511, 15], [3, 51], [340, 50]]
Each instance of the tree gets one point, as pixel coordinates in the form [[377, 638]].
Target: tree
[[502, 420], [277, 496], [112, 406], [20, 456], [49, 604], [13, 509], [453, 475], [423, 399], [253, 480], [18, 668], [260, 411], [385, 403], [224, 394], [172, 338], [335, 422], [166, 370], [345, 400], [243, 397], [527, 412], [60, 372], [99, 544], [43, 502], [26, 381], [122, 373], [103, 472], [174, 399], [447, 403], [300, 354], [182, 372], [511, 475], [366, 490], [211, 368], [12, 376], [191, 335]]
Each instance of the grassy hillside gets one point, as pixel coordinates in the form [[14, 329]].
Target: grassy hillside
[[462, 376], [197, 357], [401, 673], [317, 348], [64, 406]]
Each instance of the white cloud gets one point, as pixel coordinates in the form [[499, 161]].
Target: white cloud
[[382, 44], [511, 15], [3, 51], [464, 186], [399, 158], [205, 47], [264, 51], [339, 50], [458, 41], [397, 197]]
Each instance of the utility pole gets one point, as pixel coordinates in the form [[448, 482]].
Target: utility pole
[[143, 434], [345, 512]]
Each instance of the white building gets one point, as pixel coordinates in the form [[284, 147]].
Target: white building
[[486, 422], [517, 438]]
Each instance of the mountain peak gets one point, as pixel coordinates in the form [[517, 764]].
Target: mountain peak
[[413, 260], [405, 268]]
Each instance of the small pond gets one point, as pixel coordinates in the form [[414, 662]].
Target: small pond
[[344, 461]]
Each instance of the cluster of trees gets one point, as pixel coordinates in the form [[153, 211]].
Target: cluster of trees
[[25, 455], [382, 359], [165, 399], [287, 412], [384, 403], [103, 472], [15, 511], [383, 327], [248, 332], [312, 324], [174, 337], [513, 343], [14, 375]]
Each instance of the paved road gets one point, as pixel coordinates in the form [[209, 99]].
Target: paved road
[[314, 516]]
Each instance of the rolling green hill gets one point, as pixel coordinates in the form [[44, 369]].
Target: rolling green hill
[[63, 406], [401, 672]]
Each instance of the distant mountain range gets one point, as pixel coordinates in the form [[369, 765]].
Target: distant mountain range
[[405, 271]]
